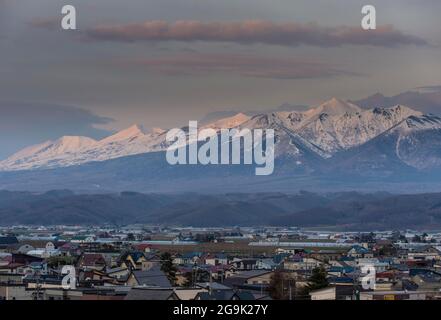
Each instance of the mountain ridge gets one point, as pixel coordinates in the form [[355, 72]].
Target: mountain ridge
[[344, 211], [336, 139]]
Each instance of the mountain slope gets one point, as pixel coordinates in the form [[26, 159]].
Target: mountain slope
[[412, 145], [334, 132], [68, 151], [43, 154]]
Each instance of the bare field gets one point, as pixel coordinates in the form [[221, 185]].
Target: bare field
[[237, 248]]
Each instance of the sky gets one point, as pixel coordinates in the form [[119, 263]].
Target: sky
[[161, 63]]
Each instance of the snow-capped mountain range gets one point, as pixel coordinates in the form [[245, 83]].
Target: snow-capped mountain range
[[323, 131]]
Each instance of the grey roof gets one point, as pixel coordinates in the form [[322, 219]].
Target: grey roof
[[241, 277], [245, 295], [430, 277], [153, 277], [249, 273], [8, 240], [409, 285], [117, 269], [150, 294], [213, 285], [217, 295]]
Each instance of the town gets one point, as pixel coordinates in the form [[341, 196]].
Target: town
[[140, 262]]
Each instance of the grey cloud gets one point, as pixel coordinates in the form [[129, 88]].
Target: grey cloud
[[253, 31], [427, 100], [430, 88], [23, 124], [238, 64]]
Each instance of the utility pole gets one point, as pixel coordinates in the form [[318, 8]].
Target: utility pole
[[211, 283], [283, 288]]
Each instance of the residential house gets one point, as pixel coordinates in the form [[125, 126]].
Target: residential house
[[190, 258], [43, 281], [335, 292], [91, 261], [11, 291], [222, 295], [266, 264], [7, 241], [427, 281], [215, 259], [359, 252], [133, 260], [244, 264], [151, 294], [153, 277], [259, 278], [118, 273]]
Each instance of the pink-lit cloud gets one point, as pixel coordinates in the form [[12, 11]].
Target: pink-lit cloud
[[46, 23], [253, 31]]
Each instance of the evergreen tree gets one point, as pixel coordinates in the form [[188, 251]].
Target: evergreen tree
[[317, 280], [168, 267]]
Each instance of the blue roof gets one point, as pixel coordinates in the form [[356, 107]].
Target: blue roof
[[416, 271], [360, 249], [37, 264], [347, 259], [345, 269], [341, 280], [278, 258], [400, 267], [191, 255], [136, 255]]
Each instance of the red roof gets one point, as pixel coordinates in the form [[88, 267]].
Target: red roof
[[14, 265], [91, 259], [386, 274]]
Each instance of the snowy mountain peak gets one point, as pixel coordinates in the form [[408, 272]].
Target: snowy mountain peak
[[73, 143], [334, 107], [406, 111], [158, 130], [126, 134], [41, 154], [230, 122], [396, 113]]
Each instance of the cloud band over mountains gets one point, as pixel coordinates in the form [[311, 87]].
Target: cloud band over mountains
[[251, 32]]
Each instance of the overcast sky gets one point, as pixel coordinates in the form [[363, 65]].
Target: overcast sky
[[164, 62]]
